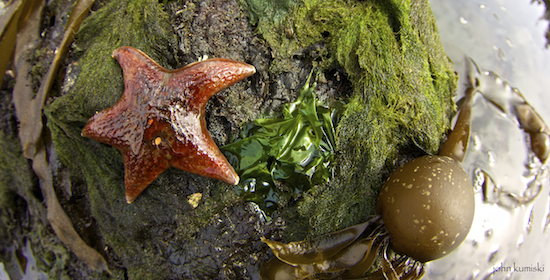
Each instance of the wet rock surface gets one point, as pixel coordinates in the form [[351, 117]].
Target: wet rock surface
[[161, 235]]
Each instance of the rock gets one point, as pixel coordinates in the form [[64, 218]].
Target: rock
[[383, 59]]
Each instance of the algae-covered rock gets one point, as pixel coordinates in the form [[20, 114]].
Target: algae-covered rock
[[383, 58], [401, 97], [160, 235], [25, 235]]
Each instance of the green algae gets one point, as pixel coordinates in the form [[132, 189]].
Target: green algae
[[23, 216], [133, 232], [15, 179], [99, 83], [296, 149], [402, 82], [12, 163]]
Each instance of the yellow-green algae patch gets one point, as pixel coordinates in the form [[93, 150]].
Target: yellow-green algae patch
[[402, 83]]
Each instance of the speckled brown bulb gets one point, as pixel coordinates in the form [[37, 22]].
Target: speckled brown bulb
[[427, 206]]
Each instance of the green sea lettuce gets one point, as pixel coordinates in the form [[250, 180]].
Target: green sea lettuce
[[297, 148]]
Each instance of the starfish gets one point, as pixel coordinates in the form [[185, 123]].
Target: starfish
[[159, 120]]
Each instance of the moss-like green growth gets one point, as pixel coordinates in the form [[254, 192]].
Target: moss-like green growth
[[23, 219], [296, 149], [133, 232], [141, 24], [99, 83], [402, 80], [402, 85], [15, 176]]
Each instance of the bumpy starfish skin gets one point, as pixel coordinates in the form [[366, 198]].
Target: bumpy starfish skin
[[159, 120]]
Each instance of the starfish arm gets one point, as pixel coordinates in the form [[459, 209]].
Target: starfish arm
[[116, 126], [194, 150], [202, 157], [141, 170], [137, 66], [122, 124], [205, 78]]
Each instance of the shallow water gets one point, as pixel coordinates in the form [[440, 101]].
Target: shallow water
[[509, 238]]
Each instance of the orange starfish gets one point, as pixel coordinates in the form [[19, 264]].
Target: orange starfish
[[159, 120]]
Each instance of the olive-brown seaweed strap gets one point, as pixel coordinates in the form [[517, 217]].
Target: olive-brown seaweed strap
[[317, 249], [457, 141], [275, 269], [365, 264], [387, 267]]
